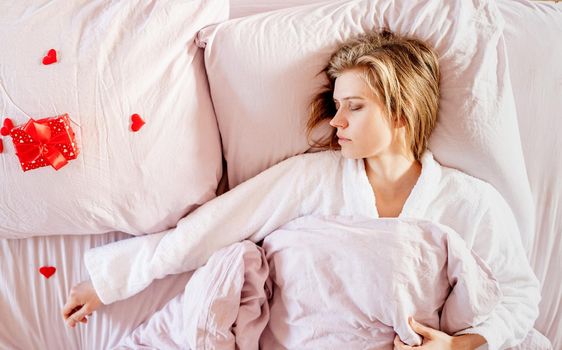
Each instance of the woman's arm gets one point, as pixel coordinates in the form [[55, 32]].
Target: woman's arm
[[436, 340], [468, 341], [252, 209], [497, 241]]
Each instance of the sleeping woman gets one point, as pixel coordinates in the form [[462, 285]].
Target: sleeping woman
[[382, 101]]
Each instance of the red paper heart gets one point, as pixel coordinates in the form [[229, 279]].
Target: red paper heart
[[137, 122], [1, 146], [8, 122], [51, 57], [7, 127], [47, 271]]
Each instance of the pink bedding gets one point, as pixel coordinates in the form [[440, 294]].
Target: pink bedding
[[224, 305], [352, 282], [337, 282], [30, 303]]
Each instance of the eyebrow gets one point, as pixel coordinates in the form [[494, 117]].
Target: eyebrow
[[351, 98]]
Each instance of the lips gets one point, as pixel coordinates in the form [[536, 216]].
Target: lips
[[340, 138]]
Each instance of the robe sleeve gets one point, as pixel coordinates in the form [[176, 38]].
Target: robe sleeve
[[497, 241], [252, 210]]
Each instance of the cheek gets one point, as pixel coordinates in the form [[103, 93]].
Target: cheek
[[367, 127], [373, 133]]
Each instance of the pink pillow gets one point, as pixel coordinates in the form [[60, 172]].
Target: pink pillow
[[262, 73], [241, 8], [352, 282], [114, 60]]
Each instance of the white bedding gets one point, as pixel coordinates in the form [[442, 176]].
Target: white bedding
[[350, 298], [122, 180], [534, 47], [532, 33], [30, 304], [352, 282]]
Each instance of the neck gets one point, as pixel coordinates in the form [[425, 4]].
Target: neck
[[392, 173]]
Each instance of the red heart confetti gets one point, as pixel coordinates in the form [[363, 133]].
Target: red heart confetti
[[1, 146], [47, 271], [137, 122], [51, 57], [8, 122], [7, 127]]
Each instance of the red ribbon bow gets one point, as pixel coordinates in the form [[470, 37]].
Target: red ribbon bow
[[43, 145]]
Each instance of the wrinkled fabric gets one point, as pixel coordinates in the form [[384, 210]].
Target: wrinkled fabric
[[326, 183], [115, 59], [224, 306], [352, 282]]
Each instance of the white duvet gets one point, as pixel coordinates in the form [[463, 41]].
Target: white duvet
[[338, 282]]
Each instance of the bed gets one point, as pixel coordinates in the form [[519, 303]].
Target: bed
[[41, 250]]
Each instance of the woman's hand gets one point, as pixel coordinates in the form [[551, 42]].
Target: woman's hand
[[437, 340], [82, 301]]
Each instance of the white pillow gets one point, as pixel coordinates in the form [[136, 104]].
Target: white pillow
[[241, 8], [115, 59], [262, 73]]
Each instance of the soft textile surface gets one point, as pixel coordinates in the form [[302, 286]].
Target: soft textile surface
[[535, 340], [224, 306], [334, 185], [532, 32], [532, 35], [352, 282], [114, 60], [30, 304], [261, 87], [375, 272], [241, 8]]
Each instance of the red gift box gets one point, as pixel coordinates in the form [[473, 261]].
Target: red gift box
[[43, 142]]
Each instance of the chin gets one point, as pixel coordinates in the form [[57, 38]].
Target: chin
[[349, 154]]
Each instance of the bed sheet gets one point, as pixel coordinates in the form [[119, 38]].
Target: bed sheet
[[532, 34], [30, 304]]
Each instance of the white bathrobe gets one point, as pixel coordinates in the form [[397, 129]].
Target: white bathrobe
[[326, 183]]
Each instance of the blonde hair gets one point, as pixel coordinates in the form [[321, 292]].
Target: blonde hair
[[401, 71]]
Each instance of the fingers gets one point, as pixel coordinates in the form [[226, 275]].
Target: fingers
[[78, 316], [398, 345], [69, 308], [73, 304], [422, 330], [82, 301], [70, 313]]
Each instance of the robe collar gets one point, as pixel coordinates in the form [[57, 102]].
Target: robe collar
[[359, 192]]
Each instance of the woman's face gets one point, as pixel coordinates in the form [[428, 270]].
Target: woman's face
[[363, 129]]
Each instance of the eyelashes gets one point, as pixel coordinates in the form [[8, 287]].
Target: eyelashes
[[352, 108]]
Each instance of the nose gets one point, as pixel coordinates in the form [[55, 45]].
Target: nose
[[339, 121]]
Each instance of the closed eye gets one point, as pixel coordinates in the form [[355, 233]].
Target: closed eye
[[350, 108]]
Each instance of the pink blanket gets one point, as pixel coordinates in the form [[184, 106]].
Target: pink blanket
[[352, 283], [224, 306], [327, 283]]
